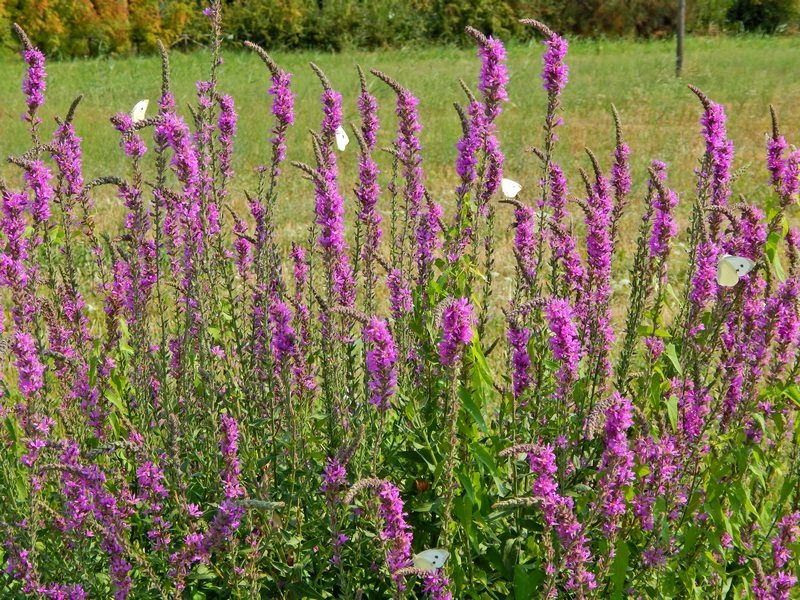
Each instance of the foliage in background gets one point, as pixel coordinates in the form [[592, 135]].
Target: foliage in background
[[189, 406], [66, 28]]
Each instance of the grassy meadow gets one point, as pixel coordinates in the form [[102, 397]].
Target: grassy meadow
[[659, 114]]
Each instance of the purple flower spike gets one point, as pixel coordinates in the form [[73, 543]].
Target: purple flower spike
[[227, 130], [456, 331], [381, 363], [400, 300], [34, 84], [283, 111], [368, 109], [494, 73], [564, 344], [617, 463], [521, 362], [664, 225], [468, 147], [555, 73], [31, 371], [38, 177]]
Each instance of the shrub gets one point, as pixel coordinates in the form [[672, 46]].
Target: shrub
[[192, 408], [763, 15]]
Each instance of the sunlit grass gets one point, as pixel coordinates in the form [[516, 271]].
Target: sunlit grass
[[659, 114]]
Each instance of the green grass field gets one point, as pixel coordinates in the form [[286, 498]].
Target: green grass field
[[659, 114]]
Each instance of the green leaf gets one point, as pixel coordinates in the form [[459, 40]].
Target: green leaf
[[793, 393], [484, 457], [772, 253], [112, 395], [647, 330], [526, 582], [619, 569], [468, 402], [672, 354], [487, 459], [672, 412]]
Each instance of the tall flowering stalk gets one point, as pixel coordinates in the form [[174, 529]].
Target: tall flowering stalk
[[282, 109], [35, 82], [526, 243], [617, 464], [518, 337], [368, 190], [492, 83], [397, 537], [329, 207], [198, 547], [566, 263], [423, 217], [620, 174], [555, 75], [715, 174], [595, 303], [456, 326], [380, 360], [468, 147], [565, 345], [558, 511]]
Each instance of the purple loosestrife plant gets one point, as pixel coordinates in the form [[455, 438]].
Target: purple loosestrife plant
[[226, 123], [329, 207], [282, 109], [30, 370], [397, 537], [565, 345], [664, 226], [715, 174], [595, 306], [558, 514], [368, 190], [185, 402], [526, 242], [621, 171], [555, 75], [562, 242], [35, 82], [492, 83], [38, 178], [381, 362], [518, 340], [456, 325], [617, 463]]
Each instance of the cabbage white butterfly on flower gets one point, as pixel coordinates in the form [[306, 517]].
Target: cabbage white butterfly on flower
[[730, 268], [341, 138], [510, 188], [430, 560], [137, 114]]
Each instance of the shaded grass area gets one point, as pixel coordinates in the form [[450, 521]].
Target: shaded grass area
[[659, 115]]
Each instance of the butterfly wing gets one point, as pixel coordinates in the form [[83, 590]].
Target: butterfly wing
[[727, 275], [743, 265], [430, 560], [510, 188], [139, 110], [341, 138]]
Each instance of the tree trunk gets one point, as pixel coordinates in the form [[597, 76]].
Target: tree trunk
[[680, 33]]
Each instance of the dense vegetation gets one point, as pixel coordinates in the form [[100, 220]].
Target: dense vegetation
[[96, 27], [190, 406]]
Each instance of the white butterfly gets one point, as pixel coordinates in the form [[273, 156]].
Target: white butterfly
[[137, 114], [341, 138], [730, 268], [430, 560], [510, 188]]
